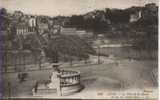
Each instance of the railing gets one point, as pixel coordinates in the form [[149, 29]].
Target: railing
[[14, 61], [69, 78], [69, 83]]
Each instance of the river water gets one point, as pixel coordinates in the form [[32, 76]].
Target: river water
[[128, 52]]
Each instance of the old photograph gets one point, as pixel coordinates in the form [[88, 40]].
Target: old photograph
[[79, 49]]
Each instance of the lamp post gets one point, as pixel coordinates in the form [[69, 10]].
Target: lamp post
[[98, 51], [98, 47]]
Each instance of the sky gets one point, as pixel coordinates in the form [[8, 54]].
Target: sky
[[67, 7]]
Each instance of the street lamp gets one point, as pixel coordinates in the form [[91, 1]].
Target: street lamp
[[98, 47], [98, 51]]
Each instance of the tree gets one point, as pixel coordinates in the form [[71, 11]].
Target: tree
[[117, 15], [77, 21], [4, 20], [149, 25], [3, 11], [67, 45]]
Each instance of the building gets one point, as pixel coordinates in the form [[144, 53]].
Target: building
[[89, 15], [55, 29], [18, 14], [42, 27], [21, 30], [24, 30], [135, 16], [66, 21], [83, 33], [32, 22], [74, 31], [68, 31], [152, 6]]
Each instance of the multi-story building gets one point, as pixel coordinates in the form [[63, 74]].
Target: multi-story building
[[26, 27], [32, 23], [24, 30]]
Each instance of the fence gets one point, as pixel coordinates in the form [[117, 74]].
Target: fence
[[20, 60], [69, 83]]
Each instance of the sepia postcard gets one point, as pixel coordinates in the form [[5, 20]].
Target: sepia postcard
[[79, 49]]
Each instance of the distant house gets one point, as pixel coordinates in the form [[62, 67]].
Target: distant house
[[68, 31], [23, 29], [152, 6], [80, 32], [55, 29], [89, 15], [42, 27], [74, 31], [135, 16], [32, 23], [24, 19], [83, 33], [66, 21], [18, 14], [50, 22], [150, 12]]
